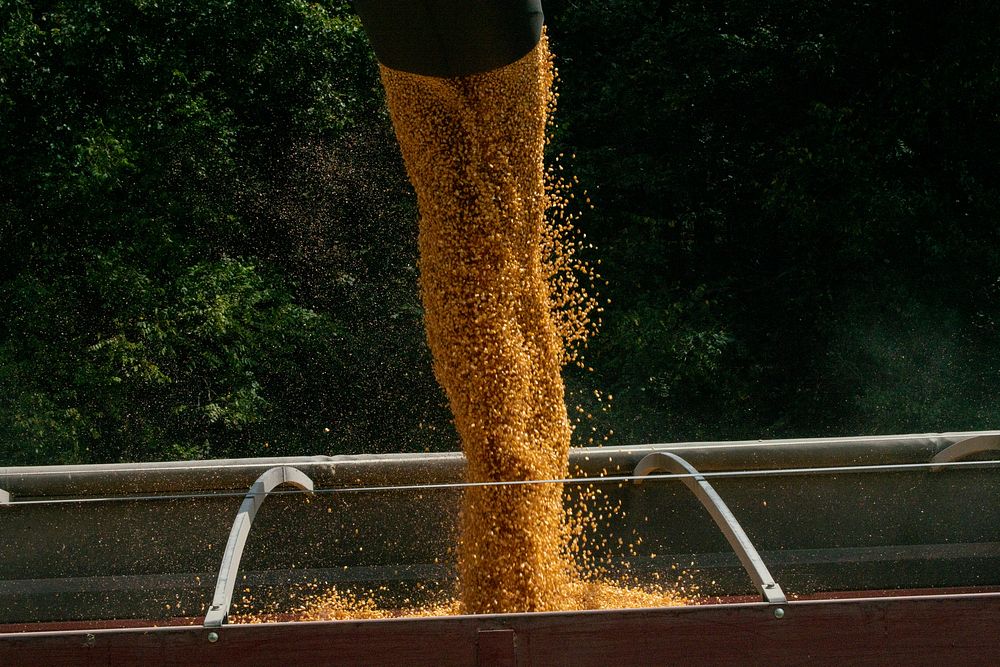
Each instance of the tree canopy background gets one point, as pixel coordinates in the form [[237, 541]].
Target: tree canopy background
[[209, 243]]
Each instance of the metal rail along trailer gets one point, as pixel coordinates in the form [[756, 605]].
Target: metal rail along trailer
[[870, 550]]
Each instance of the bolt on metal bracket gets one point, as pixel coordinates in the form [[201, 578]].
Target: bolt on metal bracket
[[667, 462], [965, 448], [218, 612]]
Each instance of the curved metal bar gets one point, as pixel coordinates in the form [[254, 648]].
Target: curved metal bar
[[218, 612], [964, 448], [667, 462]]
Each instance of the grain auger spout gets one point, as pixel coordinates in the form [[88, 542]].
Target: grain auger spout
[[450, 38]]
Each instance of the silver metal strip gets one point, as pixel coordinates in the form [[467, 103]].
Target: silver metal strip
[[965, 448], [723, 474], [668, 462], [218, 612]]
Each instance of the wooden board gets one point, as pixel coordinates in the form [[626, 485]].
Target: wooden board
[[940, 629]]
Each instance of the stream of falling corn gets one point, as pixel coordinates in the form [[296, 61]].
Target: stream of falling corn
[[473, 148], [503, 314]]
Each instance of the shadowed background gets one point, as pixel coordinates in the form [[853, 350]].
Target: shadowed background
[[209, 243]]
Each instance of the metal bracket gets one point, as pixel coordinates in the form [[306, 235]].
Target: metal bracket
[[965, 448], [218, 612], [4, 497], [667, 462]]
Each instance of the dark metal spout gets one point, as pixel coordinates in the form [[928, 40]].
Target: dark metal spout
[[450, 38]]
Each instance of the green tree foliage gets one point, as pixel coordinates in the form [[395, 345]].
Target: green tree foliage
[[209, 242], [791, 199], [165, 212]]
